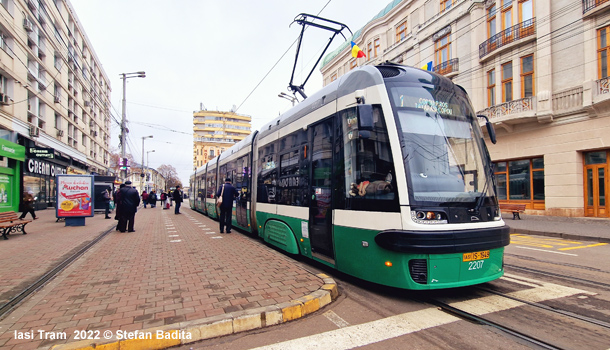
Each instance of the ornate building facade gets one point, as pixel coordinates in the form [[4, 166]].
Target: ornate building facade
[[537, 68]]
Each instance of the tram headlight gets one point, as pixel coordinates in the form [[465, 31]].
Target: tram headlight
[[428, 217]]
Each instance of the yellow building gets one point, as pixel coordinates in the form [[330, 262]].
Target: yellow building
[[215, 131]]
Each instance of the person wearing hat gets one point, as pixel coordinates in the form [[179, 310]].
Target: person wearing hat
[[228, 193], [128, 201], [177, 197], [28, 205]]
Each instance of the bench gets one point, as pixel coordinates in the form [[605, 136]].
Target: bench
[[10, 222], [514, 208]]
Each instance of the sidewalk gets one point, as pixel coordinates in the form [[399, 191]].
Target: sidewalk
[[176, 274], [584, 229]]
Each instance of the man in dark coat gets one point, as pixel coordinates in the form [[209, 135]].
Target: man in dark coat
[[229, 193], [177, 197], [129, 199]]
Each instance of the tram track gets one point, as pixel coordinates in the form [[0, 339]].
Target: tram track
[[483, 321], [49, 275], [561, 276], [468, 316], [548, 308]]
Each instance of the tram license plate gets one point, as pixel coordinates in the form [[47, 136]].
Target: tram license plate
[[476, 256]]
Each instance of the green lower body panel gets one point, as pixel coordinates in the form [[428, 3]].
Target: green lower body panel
[[357, 254]]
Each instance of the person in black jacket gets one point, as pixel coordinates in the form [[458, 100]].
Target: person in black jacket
[[177, 197], [229, 193], [128, 200]]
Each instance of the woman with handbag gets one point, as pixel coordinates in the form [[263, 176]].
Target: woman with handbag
[[225, 196]]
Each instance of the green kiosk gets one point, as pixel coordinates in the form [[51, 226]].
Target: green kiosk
[[11, 157]]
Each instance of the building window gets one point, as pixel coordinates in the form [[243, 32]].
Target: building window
[[491, 88], [353, 64], [401, 32], [333, 77], [446, 5], [369, 51], [507, 20], [442, 50], [507, 82], [377, 47], [520, 180], [491, 21], [526, 10], [527, 76], [603, 50]]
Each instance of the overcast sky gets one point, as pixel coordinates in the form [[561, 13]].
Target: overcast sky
[[206, 52]]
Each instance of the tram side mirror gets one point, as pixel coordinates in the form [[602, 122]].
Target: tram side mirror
[[490, 129], [365, 117]]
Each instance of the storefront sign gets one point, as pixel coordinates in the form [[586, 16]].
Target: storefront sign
[[38, 152], [74, 196], [12, 150], [6, 186], [40, 167]]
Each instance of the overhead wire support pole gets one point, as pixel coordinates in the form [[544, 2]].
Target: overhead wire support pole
[[302, 19]]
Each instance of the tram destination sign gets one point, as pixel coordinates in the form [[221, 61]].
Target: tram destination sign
[[39, 152]]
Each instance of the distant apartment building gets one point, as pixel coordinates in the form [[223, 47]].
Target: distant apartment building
[[537, 68], [215, 131], [54, 98]]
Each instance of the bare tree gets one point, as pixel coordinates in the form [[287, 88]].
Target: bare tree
[[170, 174]]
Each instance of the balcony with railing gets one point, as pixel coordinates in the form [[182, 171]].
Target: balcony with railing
[[591, 6], [448, 68], [512, 110], [508, 36]]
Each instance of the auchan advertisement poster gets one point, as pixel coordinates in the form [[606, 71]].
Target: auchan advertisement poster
[[74, 196]]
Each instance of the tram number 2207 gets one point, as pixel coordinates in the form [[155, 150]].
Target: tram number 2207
[[475, 265]]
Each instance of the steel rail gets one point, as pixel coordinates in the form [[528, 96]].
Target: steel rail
[[16, 300]]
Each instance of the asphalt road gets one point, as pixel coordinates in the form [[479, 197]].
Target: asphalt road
[[570, 276]]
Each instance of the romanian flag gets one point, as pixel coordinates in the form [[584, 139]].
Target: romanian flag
[[427, 66], [356, 52]]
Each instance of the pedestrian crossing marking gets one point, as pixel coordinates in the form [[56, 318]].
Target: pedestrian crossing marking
[[584, 246], [411, 322]]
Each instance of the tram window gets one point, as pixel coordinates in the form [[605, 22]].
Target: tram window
[[370, 182], [211, 186], [267, 174]]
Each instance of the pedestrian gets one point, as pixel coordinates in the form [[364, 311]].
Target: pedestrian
[[177, 195], [28, 205], [144, 198], [163, 199], [106, 197], [117, 205], [129, 200], [168, 199], [152, 198], [228, 194]]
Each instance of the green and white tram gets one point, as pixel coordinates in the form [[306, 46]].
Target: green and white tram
[[383, 174]]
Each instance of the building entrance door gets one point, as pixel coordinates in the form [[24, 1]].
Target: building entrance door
[[596, 184]]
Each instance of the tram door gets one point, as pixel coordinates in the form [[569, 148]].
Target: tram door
[[242, 186], [320, 207]]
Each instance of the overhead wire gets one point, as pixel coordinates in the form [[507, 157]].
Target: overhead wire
[[276, 63]]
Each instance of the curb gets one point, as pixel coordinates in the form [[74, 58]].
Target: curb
[[211, 327], [561, 235]]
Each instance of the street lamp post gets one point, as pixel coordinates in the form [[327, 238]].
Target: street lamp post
[[147, 159], [142, 175], [126, 76], [288, 97]]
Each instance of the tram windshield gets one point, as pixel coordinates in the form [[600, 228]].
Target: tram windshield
[[442, 148]]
